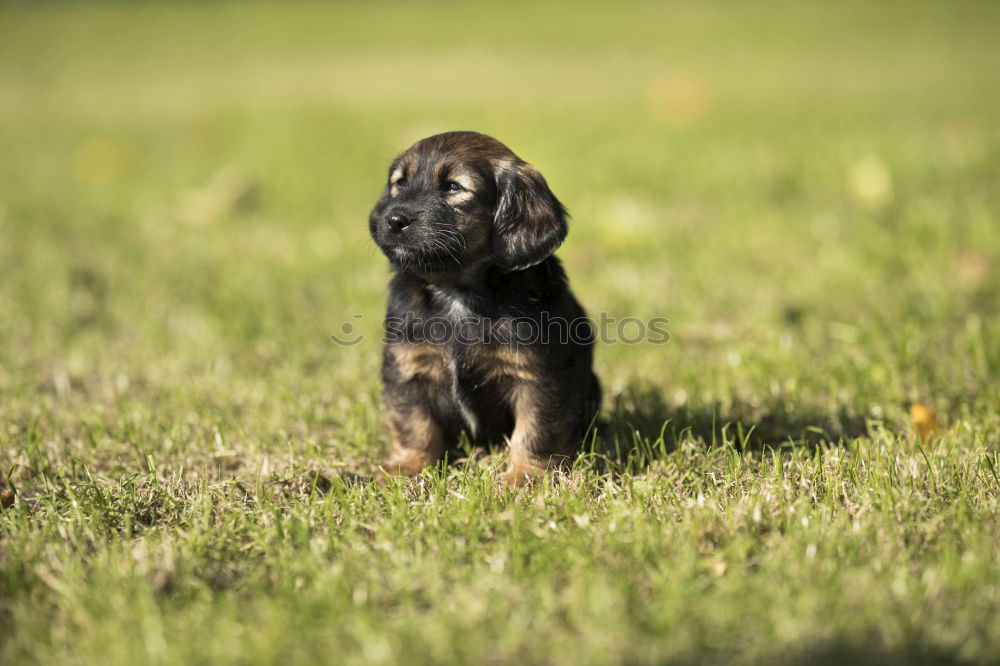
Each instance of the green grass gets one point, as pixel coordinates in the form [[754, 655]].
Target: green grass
[[808, 191]]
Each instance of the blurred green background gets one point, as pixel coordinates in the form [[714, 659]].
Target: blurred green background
[[188, 185], [807, 190]]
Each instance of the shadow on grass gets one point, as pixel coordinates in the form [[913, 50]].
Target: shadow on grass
[[830, 654], [835, 653], [641, 426]]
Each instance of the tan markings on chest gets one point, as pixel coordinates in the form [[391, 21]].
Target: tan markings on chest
[[424, 361], [505, 363], [490, 362]]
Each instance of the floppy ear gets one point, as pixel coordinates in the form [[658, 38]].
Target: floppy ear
[[529, 222]]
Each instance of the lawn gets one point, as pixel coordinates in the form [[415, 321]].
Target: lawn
[[809, 192]]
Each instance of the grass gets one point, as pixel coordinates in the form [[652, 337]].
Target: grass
[[807, 191]]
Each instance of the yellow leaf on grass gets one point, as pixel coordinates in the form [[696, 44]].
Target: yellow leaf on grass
[[715, 566], [924, 419]]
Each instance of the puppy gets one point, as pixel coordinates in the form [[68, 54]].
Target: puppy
[[483, 335]]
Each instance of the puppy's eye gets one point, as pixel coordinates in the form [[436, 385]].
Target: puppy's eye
[[452, 186]]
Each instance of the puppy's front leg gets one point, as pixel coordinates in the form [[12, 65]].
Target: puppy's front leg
[[542, 435], [417, 440], [413, 377]]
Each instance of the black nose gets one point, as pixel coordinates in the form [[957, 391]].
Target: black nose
[[398, 222]]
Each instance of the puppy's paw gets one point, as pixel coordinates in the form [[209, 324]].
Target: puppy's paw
[[406, 467], [521, 476]]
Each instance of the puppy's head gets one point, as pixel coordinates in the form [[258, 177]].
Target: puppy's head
[[461, 201]]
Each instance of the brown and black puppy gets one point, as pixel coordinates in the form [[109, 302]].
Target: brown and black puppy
[[482, 332]]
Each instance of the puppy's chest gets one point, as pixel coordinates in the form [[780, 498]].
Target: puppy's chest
[[461, 347], [476, 380], [467, 366], [465, 337]]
